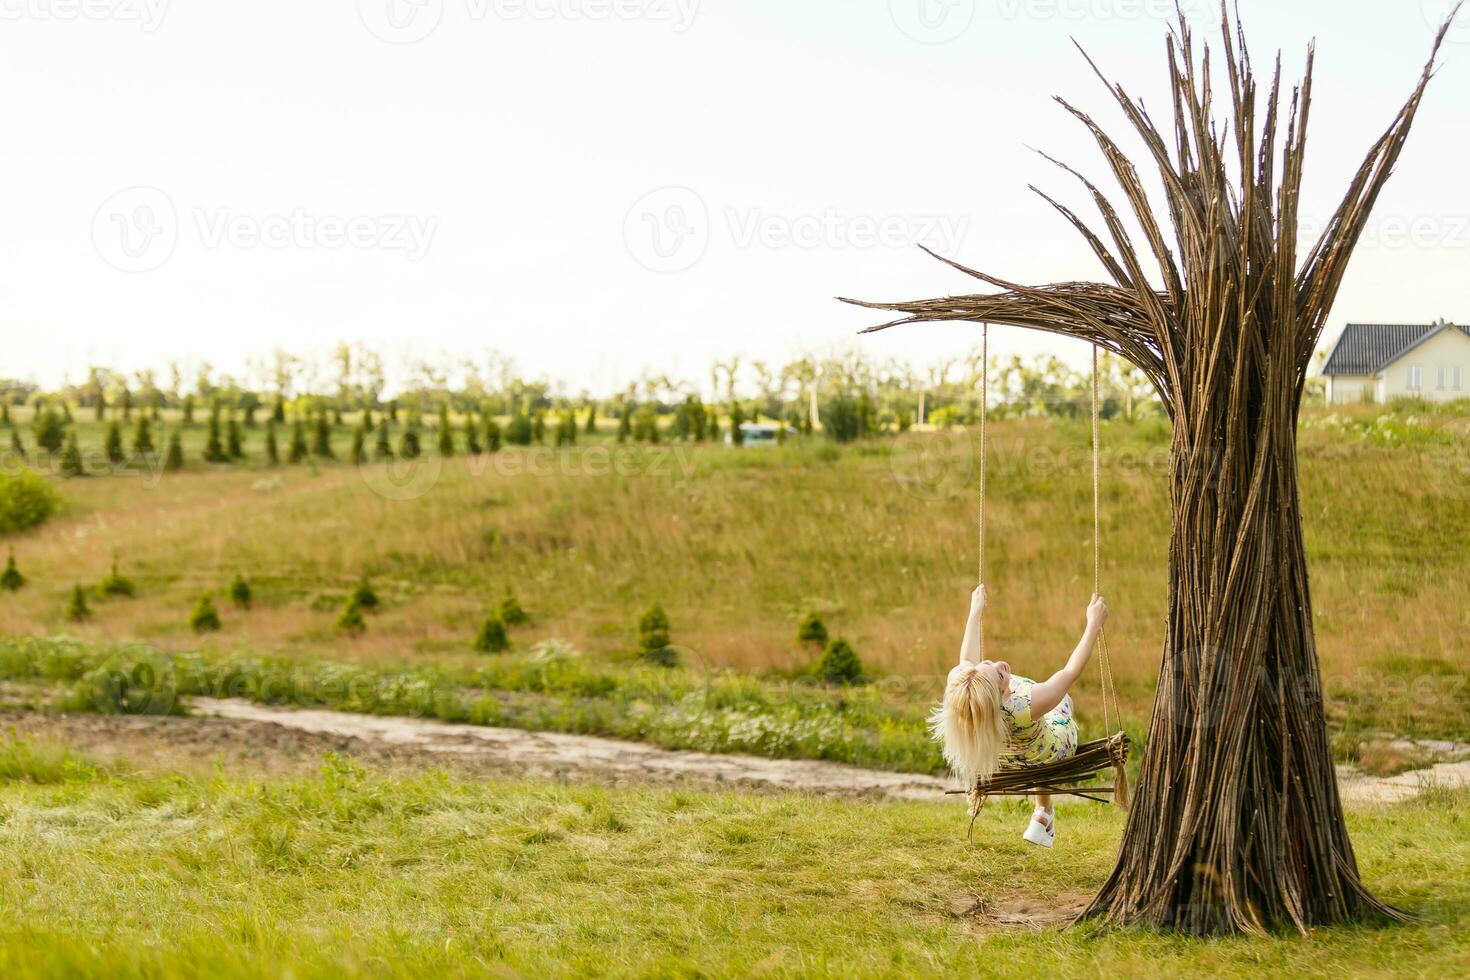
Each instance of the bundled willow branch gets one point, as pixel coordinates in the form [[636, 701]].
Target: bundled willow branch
[[1237, 824], [1091, 760]]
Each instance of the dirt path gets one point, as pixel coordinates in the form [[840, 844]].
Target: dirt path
[[556, 755], [258, 739]]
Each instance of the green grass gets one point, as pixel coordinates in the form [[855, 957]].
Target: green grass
[[107, 872]]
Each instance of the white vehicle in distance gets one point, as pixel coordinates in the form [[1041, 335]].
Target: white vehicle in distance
[[758, 434]]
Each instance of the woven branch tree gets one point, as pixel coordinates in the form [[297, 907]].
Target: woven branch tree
[[1237, 824]]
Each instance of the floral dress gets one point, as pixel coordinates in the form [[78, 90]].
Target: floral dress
[[1036, 741]]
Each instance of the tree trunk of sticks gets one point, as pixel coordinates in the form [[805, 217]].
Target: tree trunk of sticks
[[1237, 825]]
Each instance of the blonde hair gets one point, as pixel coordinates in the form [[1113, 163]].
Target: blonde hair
[[969, 724]]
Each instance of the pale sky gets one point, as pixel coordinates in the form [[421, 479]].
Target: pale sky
[[596, 187]]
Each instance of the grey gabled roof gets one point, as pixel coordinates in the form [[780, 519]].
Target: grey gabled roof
[[1367, 348]]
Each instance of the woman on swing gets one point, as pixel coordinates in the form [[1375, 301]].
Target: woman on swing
[[990, 715]]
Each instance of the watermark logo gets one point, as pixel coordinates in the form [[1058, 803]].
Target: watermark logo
[[1436, 12], [401, 480], [147, 14], [136, 230], [932, 21], [668, 230], [935, 466], [401, 21], [411, 21], [406, 233], [1106, 10], [136, 683]]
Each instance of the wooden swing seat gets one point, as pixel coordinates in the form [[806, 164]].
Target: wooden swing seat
[[1091, 760]]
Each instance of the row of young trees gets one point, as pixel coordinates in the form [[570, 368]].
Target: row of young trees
[[843, 392]]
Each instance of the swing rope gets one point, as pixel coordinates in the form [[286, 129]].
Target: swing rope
[[1093, 757], [984, 412], [1104, 664]]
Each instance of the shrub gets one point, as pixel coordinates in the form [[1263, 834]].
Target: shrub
[[538, 428], [492, 435], [382, 448], [321, 443], [519, 431], [71, 458], [214, 450], [591, 426], [351, 620], [234, 447], [812, 630], [510, 610], [737, 419], [26, 499], [492, 638], [116, 584], [408, 445], [839, 664], [272, 450], [653, 637], [472, 438], [297, 452], [446, 432], [625, 422], [114, 443], [50, 430], [205, 618], [11, 580], [240, 592], [77, 610], [17, 445], [364, 595], [143, 437], [566, 429], [359, 451], [174, 460], [840, 419]]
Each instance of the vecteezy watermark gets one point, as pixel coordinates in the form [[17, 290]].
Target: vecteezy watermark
[[1425, 231], [934, 466], [670, 229], [932, 21], [942, 21], [410, 21], [410, 479], [300, 229], [138, 229], [1436, 12], [147, 14]]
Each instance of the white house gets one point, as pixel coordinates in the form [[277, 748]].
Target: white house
[[1382, 361]]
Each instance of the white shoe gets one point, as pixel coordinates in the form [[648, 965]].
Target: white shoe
[[1043, 829]]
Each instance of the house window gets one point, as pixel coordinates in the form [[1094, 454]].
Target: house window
[[1442, 377], [1416, 377], [1456, 378]]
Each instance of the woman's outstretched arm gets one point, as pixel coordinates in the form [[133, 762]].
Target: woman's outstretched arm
[[1048, 694], [970, 645]]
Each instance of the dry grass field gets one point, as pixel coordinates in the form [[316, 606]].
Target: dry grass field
[[879, 538]]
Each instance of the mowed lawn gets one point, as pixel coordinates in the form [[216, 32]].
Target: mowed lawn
[[111, 872], [879, 538]]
